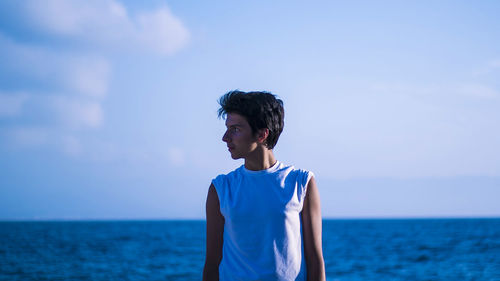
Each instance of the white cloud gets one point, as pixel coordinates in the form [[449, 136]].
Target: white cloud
[[106, 23], [81, 82], [88, 75], [488, 68], [77, 113], [465, 90], [494, 64], [26, 61], [478, 91], [34, 137], [75, 17], [11, 103], [71, 145], [29, 136], [65, 77], [161, 31], [176, 156], [397, 129], [73, 87], [59, 70]]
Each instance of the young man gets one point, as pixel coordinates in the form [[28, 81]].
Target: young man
[[264, 218]]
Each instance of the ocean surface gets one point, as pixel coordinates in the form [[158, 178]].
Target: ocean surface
[[392, 249]]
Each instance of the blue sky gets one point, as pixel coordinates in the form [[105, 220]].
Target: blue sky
[[108, 108]]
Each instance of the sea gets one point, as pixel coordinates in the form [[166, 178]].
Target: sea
[[354, 249]]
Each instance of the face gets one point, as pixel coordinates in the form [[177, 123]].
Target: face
[[239, 137]]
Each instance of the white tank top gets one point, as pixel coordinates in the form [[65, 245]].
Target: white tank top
[[262, 230]]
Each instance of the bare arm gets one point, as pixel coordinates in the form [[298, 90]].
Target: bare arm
[[311, 230], [215, 229]]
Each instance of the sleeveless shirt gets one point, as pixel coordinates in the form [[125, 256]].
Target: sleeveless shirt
[[262, 237]]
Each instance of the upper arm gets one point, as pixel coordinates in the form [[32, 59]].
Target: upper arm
[[215, 230], [311, 229]]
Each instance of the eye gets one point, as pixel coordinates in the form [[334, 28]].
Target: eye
[[236, 129]]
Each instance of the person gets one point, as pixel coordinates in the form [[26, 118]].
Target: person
[[264, 218]]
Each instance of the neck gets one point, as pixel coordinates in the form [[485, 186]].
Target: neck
[[262, 159]]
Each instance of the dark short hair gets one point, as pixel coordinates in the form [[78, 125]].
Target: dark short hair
[[261, 109]]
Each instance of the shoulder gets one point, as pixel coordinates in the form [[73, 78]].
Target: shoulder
[[223, 180], [301, 178], [302, 175]]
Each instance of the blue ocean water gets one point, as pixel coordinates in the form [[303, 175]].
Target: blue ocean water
[[414, 249]]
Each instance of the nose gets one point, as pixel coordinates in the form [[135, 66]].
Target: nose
[[225, 137]]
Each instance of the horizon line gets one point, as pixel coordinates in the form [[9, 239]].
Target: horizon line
[[76, 219]]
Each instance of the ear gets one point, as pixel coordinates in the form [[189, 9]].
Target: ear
[[262, 135]]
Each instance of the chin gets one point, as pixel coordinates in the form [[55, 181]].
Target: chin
[[235, 156]]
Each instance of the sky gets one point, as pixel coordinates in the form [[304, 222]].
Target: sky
[[108, 109]]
